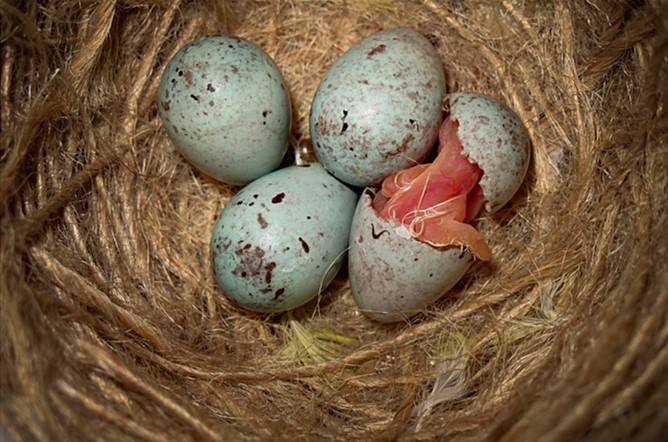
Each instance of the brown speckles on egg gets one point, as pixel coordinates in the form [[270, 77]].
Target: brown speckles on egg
[[375, 235], [269, 268], [263, 223], [321, 126], [250, 262], [278, 198], [304, 244], [188, 75], [413, 95], [377, 50]]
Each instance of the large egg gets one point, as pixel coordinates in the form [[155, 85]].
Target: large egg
[[378, 109], [393, 276], [224, 104], [282, 238]]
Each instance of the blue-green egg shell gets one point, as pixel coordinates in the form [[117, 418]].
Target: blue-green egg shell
[[379, 107], [225, 105], [494, 137], [282, 238], [392, 275]]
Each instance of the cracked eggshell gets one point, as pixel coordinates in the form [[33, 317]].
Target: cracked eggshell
[[224, 104], [493, 136], [379, 107], [392, 276], [282, 238]]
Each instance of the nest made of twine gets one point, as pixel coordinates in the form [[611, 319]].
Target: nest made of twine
[[113, 329]]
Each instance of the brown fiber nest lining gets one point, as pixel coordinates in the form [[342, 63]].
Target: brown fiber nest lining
[[113, 329]]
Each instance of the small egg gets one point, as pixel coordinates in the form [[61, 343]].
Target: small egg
[[224, 104], [493, 137], [379, 107], [393, 276], [411, 241], [281, 239]]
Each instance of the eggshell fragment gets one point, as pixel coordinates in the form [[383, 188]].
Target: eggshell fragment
[[282, 238], [224, 104], [493, 137], [393, 276], [378, 109]]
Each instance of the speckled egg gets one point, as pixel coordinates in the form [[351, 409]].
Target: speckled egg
[[493, 137], [224, 104], [282, 238], [393, 276], [378, 109], [396, 269]]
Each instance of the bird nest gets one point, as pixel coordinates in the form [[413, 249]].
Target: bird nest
[[112, 325]]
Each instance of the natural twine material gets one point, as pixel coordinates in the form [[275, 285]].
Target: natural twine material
[[113, 329]]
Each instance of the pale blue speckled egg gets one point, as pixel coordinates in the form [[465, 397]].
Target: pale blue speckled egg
[[378, 109], [393, 276], [282, 238], [493, 137], [224, 104]]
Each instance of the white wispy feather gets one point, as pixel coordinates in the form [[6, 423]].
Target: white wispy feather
[[450, 384]]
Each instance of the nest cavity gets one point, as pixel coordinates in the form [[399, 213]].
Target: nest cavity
[[112, 327]]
